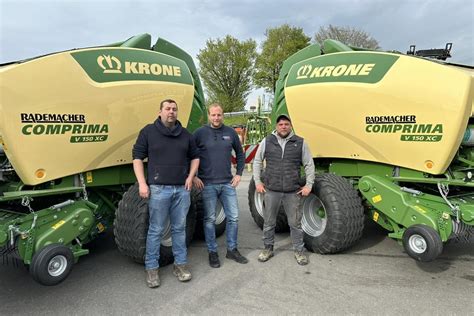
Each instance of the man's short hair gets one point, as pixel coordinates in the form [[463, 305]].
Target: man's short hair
[[214, 105], [167, 101]]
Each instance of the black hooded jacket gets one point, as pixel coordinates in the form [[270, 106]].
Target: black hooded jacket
[[169, 152]]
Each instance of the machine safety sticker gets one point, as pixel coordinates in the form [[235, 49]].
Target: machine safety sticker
[[376, 216], [100, 227], [89, 178], [377, 198]]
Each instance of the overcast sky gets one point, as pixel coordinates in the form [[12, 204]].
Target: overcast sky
[[32, 28]]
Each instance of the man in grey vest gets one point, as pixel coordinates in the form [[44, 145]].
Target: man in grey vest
[[284, 153]]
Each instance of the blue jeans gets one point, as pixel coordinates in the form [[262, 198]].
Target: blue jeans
[[228, 196], [167, 202]]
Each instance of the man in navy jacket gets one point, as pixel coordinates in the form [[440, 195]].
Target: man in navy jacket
[[172, 163], [215, 142]]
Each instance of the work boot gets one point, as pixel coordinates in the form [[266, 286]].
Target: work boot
[[182, 272], [152, 278], [235, 255], [214, 259], [266, 254], [301, 258]]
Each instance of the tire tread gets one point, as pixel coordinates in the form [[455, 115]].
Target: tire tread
[[345, 215]]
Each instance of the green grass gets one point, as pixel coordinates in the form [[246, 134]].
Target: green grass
[[236, 120]]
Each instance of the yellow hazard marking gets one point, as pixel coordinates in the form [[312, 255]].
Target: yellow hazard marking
[[419, 209], [58, 224], [377, 198], [376, 216], [89, 177]]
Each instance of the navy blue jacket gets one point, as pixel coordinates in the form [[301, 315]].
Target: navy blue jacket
[[169, 152], [215, 149]]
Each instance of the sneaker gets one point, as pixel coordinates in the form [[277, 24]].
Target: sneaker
[[214, 259], [182, 272], [301, 258], [152, 278], [235, 255], [266, 254]]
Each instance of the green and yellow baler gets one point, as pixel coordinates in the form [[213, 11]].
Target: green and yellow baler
[[392, 136], [68, 121]]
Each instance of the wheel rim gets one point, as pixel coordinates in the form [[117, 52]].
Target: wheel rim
[[417, 243], [258, 200], [220, 214], [166, 239], [57, 265], [314, 218]]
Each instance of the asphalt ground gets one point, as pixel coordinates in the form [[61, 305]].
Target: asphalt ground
[[373, 277]]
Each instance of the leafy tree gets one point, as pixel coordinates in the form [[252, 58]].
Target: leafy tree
[[281, 43], [347, 35], [226, 67]]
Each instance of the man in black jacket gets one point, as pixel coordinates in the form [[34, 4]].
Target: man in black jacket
[[172, 163], [216, 142]]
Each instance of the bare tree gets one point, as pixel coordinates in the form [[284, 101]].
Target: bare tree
[[347, 35]]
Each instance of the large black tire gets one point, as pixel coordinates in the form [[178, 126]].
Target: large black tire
[[256, 205], [52, 264], [466, 235], [422, 243], [196, 198], [131, 228], [333, 215]]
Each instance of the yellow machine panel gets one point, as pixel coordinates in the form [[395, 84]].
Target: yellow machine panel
[[82, 110], [413, 113]]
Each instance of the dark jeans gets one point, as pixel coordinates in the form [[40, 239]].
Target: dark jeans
[[291, 204]]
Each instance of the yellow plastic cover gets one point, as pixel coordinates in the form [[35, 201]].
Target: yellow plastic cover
[[82, 110], [413, 114]]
